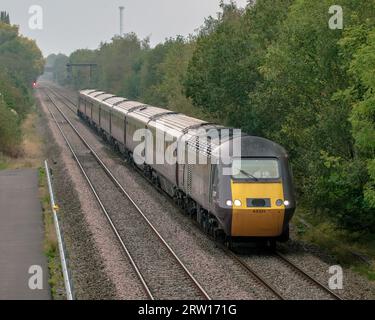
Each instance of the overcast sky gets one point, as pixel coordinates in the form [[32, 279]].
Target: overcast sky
[[73, 24]]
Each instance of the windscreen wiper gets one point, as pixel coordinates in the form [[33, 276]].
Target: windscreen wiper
[[249, 175]]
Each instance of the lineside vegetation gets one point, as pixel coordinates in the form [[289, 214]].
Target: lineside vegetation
[[21, 62]]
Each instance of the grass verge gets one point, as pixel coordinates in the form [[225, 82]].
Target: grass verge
[[31, 147], [350, 249]]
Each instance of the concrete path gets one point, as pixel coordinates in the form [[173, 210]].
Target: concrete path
[[21, 238]]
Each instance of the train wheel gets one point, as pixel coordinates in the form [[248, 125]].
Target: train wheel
[[219, 235], [228, 243]]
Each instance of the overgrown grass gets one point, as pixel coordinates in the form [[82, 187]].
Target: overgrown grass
[[351, 249], [30, 149], [10, 131], [56, 279]]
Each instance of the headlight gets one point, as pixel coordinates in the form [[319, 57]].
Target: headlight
[[286, 203], [229, 203], [237, 203], [279, 202]]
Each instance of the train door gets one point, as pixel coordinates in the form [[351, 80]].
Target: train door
[[214, 182], [110, 121], [99, 113], [125, 135]]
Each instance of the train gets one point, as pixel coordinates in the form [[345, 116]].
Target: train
[[239, 190]]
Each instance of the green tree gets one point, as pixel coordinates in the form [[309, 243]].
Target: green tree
[[224, 68], [119, 65], [80, 76], [216, 78], [21, 62], [59, 69], [301, 102], [19, 57], [174, 69], [358, 48]]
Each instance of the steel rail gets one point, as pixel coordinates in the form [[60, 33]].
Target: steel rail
[[308, 276], [252, 272], [139, 210]]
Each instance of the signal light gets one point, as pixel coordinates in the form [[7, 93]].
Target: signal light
[[34, 84]]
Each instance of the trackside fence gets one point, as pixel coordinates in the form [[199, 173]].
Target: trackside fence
[[60, 239]]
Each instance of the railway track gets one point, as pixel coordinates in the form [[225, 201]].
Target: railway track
[[266, 283], [61, 97], [307, 276], [254, 274], [69, 102], [176, 281], [275, 265], [260, 279]]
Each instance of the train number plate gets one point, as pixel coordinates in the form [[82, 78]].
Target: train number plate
[[259, 211]]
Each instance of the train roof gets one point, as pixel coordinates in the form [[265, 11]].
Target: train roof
[[253, 146], [95, 94], [180, 122], [116, 100], [87, 91], [126, 106], [104, 96], [191, 128]]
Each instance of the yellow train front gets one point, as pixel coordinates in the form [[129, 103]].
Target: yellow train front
[[253, 196]]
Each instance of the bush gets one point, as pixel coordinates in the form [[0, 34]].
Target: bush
[[10, 132]]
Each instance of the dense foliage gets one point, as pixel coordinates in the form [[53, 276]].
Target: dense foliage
[[276, 70], [21, 62], [129, 67]]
